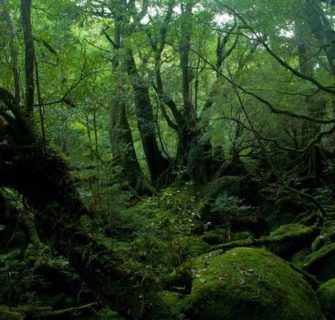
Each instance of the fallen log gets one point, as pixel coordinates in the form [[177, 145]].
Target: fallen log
[[284, 242]]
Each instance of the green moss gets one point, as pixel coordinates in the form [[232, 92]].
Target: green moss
[[249, 284], [318, 242], [284, 242], [326, 237], [243, 235], [295, 237], [326, 296], [107, 314], [215, 236], [194, 246], [37, 254], [290, 229], [171, 306], [7, 314], [321, 263], [299, 258], [220, 235]]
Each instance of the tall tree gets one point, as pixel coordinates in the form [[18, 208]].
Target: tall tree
[[120, 133], [13, 51], [322, 29], [29, 57]]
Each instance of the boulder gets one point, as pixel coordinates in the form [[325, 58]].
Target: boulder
[[326, 296], [321, 263], [249, 284]]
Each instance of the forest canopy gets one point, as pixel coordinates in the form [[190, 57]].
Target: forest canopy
[[167, 159]]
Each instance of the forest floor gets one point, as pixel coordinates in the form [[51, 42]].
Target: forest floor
[[208, 254]]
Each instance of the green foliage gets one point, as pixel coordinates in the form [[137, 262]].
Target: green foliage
[[161, 228], [17, 279], [324, 195], [251, 113], [230, 205], [107, 314], [174, 304], [329, 166], [8, 314]]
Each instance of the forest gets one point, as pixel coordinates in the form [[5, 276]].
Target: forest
[[167, 159]]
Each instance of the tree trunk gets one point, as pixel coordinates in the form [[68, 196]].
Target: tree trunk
[[121, 138], [315, 107], [157, 164], [192, 153], [13, 52], [322, 29], [122, 143], [42, 177], [29, 56]]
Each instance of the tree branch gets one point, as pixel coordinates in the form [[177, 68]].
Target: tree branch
[[279, 60], [270, 106]]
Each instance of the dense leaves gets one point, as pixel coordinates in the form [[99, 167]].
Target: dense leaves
[[138, 136]]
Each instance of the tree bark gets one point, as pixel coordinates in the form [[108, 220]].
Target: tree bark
[[157, 164], [121, 138], [322, 30], [13, 52], [315, 107], [29, 57], [192, 153]]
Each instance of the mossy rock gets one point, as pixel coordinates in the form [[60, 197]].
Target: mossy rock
[[326, 296], [180, 278], [321, 263], [107, 314], [7, 314], [318, 243], [300, 256], [249, 284], [220, 235], [194, 246], [215, 236], [326, 237], [171, 306], [296, 237], [284, 242], [288, 229], [243, 235]]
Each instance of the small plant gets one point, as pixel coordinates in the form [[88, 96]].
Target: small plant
[[227, 208], [230, 204], [324, 195], [16, 279], [329, 166]]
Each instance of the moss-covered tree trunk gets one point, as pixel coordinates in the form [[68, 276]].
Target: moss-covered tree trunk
[[121, 138], [192, 152], [315, 107], [322, 29], [157, 164], [41, 176]]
